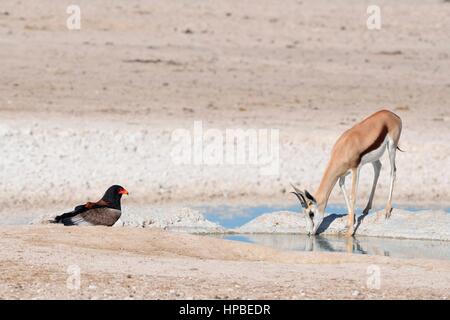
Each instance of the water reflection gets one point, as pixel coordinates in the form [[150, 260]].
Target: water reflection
[[400, 248]]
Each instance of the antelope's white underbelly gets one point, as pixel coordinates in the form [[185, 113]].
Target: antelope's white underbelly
[[374, 154]]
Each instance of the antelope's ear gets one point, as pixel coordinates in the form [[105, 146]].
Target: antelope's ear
[[310, 197]]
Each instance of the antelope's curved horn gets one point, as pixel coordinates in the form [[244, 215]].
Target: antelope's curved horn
[[301, 198], [297, 190]]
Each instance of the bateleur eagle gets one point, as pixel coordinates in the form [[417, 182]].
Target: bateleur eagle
[[104, 212]]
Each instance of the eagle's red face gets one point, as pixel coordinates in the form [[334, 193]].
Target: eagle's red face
[[123, 191]]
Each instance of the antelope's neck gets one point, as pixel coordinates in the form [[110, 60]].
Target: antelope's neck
[[327, 184]]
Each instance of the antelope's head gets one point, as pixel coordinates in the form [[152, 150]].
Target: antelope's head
[[313, 215]]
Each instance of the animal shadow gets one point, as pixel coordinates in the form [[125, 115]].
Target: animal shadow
[[359, 220], [327, 221]]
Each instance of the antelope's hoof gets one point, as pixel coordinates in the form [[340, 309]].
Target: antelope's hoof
[[388, 213], [348, 231], [343, 231]]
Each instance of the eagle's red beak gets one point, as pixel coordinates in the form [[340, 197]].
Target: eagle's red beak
[[123, 191]]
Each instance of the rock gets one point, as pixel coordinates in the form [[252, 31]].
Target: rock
[[426, 224], [173, 219], [276, 222], [169, 218]]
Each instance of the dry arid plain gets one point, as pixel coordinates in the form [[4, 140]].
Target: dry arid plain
[[84, 109]]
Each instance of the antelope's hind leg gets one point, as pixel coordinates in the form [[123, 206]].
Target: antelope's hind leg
[[392, 149]]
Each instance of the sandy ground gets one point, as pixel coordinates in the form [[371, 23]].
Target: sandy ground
[[82, 110], [138, 263]]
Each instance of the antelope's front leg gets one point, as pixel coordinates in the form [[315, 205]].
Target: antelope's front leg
[[344, 192], [351, 214]]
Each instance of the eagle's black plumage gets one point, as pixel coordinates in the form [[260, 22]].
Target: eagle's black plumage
[[106, 211]]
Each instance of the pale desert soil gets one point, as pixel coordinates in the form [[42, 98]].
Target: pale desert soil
[[141, 263], [81, 110], [78, 113]]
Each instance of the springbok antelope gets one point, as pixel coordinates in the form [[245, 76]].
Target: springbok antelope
[[363, 143]]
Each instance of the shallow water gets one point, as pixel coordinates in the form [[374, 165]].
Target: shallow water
[[232, 217], [399, 248]]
